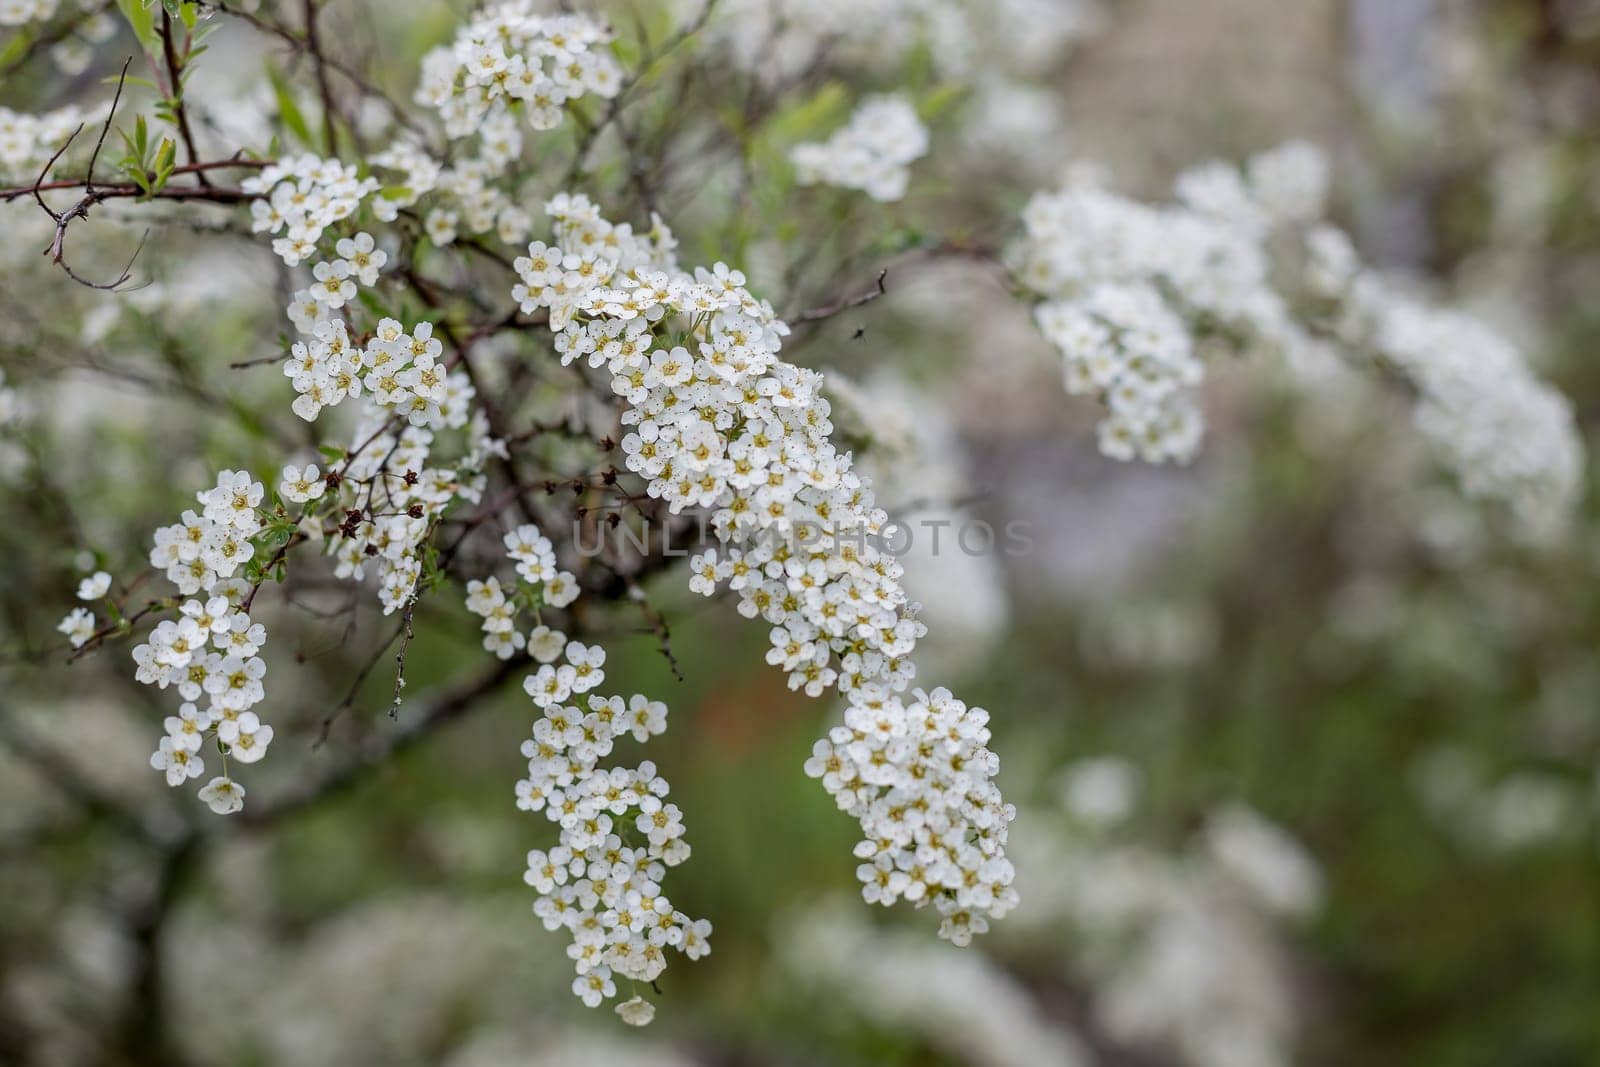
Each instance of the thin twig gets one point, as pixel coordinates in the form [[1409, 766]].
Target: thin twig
[[827, 311]]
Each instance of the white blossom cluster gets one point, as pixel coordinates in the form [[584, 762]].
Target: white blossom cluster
[[873, 152], [403, 374], [916, 458], [602, 880], [510, 65], [301, 196], [1131, 292], [1122, 284], [211, 651], [70, 44], [1506, 435], [729, 427], [511, 58], [919, 776], [22, 12], [390, 498], [28, 141], [400, 372], [466, 198], [538, 574]]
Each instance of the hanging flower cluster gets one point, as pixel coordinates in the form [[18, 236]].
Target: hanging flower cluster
[[1132, 292], [602, 880], [210, 653], [720, 422]]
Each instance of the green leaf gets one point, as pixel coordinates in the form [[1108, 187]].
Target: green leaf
[[15, 49], [293, 118], [939, 101], [142, 19], [166, 158], [810, 118]]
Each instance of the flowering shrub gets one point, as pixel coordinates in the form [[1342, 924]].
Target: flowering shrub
[[470, 338]]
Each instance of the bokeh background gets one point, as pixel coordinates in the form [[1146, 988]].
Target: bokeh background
[[1305, 753]]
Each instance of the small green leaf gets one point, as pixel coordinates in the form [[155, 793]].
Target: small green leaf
[[293, 118], [142, 19]]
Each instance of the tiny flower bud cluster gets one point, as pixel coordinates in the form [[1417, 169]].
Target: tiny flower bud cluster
[[211, 651], [538, 574], [721, 422], [304, 195], [510, 58], [873, 152]]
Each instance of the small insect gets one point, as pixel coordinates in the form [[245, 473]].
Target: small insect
[[861, 331]]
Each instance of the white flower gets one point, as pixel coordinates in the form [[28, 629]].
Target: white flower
[[78, 626], [223, 795], [250, 747], [302, 484], [179, 763], [595, 986], [561, 590], [586, 662], [637, 1011], [646, 717], [362, 256], [187, 729], [545, 644], [334, 286], [95, 586]]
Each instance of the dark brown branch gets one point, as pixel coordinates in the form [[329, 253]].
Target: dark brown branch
[[614, 107], [93, 195], [230, 195], [319, 65], [180, 115]]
